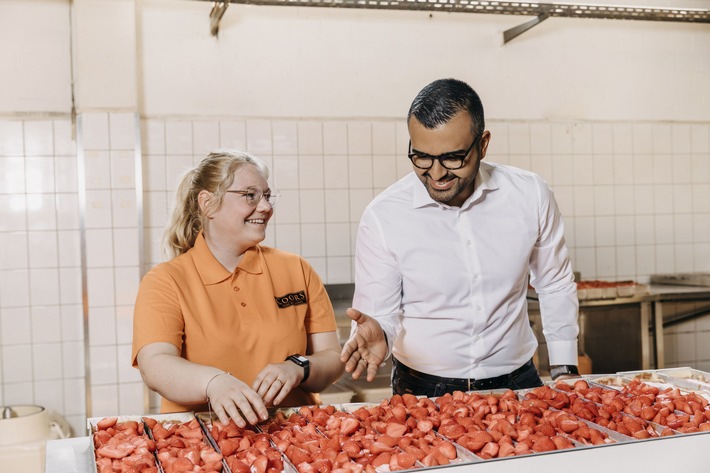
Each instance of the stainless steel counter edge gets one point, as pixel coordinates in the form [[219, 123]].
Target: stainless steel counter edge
[[677, 453], [656, 293]]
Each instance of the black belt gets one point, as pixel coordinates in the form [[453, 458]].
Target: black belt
[[464, 383]]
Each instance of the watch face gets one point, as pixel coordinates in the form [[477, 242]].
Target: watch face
[[303, 362], [560, 370], [299, 360]]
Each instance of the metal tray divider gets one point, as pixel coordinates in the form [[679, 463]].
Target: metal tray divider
[[181, 418], [498, 393], [683, 391], [93, 428], [688, 383], [695, 375], [417, 462], [289, 466], [596, 382], [149, 433], [610, 433], [658, 428], [466, 455], [208, 435], [204, 417], [676, 411], [287, 460], [462, 455], [661, 382], [493, 392]]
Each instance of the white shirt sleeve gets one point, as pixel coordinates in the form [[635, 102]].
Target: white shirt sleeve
[[378, 284], [553, 280]]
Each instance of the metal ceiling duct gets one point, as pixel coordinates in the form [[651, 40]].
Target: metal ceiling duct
[[541, 11]]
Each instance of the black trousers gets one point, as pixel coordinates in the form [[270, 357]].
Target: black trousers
[[408, 380]]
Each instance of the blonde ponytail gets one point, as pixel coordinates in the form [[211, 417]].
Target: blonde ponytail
[[214, 174]]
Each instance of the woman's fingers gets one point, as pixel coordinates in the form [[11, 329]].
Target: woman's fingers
[[255, 406], [282, 392], [274, 382], [239, 402], [233, 412], [272, 391], [222, 414]]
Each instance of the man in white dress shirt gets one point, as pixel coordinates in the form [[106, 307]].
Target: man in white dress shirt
[[444, 256]]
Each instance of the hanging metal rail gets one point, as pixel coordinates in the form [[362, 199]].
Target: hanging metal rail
[[541, 11]]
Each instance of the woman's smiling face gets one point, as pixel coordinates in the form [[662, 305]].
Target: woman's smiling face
[[236, 222]]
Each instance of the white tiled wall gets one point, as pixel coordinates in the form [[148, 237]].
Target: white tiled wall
[[112, 260], [688, 343], [41, 330], [635, 196]]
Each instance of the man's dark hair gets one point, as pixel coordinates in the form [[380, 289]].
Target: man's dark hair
[[440, 101]]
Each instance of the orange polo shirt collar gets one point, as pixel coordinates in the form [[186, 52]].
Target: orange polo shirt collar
[[211, 271]]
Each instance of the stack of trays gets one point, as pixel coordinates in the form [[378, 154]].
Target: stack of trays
[[595, 290], [683, 377], [599, 290], [408, 433]]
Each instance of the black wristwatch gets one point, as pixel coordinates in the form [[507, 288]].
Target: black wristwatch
[[559, 370], [304, 363]]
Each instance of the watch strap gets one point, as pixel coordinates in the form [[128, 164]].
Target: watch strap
[[303, 362], [559, 370]]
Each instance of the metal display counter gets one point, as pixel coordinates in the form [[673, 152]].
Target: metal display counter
[[651, 309]]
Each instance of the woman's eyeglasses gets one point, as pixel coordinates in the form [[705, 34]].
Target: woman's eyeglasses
[[253, 196]]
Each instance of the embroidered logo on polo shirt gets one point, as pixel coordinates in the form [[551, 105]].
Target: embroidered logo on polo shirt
[[294, 298]]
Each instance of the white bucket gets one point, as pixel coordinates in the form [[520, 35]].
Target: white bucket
[[29, 423], [24, 431]]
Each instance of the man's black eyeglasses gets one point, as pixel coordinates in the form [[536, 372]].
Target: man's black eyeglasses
[[451, 161]]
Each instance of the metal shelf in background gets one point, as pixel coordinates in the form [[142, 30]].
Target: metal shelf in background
[[541, 11]]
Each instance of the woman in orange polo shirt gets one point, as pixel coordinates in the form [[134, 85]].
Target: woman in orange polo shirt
[[227, 321]]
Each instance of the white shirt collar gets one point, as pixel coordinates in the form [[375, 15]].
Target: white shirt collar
[[484, 182]]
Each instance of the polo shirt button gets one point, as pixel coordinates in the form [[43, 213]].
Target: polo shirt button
[[244, 304], [236, 289]]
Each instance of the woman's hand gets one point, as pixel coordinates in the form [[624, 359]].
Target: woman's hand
[[232, 398], [185, 382], [367, 347], [275, 381]]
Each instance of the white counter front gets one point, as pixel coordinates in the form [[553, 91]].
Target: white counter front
[[683, 453]]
